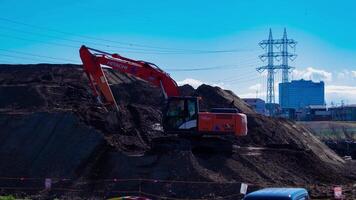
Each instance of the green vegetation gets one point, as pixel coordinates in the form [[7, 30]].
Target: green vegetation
[[7, 197], [332, 130]]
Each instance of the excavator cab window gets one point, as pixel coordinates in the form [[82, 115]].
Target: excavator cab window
[[181, 114], [175, 108], [192, 109]]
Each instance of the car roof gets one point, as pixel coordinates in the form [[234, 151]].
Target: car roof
[[284, 193]]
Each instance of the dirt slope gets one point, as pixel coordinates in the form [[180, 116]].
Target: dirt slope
[[45, 145], [93, 148]]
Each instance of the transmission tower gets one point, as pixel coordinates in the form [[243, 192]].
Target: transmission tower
[[270, 55], [285, 42]]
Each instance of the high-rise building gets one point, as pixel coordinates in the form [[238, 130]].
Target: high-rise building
[[301, 93]]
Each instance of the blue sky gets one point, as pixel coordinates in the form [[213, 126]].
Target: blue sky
[[154, 30]]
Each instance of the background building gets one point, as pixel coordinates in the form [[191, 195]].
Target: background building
[[273, 109], [316, 113], [300, 94], [257, 104], [343, 113]]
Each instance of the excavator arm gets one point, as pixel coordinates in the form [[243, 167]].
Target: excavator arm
[[93, 60]]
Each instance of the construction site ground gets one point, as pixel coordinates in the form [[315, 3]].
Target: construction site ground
[[53, 127]]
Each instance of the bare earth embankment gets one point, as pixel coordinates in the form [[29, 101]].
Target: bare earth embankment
[[52, 126]]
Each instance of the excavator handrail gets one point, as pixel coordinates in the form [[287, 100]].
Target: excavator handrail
[[97, 50]]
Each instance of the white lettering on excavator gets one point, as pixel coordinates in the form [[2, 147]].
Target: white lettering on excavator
[[118, 65]]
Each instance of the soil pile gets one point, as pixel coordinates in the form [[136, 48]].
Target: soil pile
[[48, 115]]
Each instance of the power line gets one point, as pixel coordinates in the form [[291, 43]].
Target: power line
[[76, 47], [72, 46], [62, 45], [91, 43], [222, 67], [56, 37], [194, 51], [217, 67], [232, 78], [21, 57], [53, 43], [243, 79], [36, 55], [248, 80], [39, 41]]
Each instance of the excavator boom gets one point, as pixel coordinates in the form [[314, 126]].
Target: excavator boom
[[93, 59]]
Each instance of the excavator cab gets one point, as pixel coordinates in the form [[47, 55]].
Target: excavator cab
[[181, 114]]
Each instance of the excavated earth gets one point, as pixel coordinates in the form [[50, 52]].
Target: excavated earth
[[51, 126]]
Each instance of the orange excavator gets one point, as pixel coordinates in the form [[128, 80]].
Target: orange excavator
[[181, 115]]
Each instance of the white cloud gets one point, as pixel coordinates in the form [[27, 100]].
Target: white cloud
[[254, 91], [339, 86], [193, 82], [312, 74], [346, 75], [341, 75], [257, 87], [353, 73], [220, 85], [341, 89], [261, 95], [196, 83], [338, 93]]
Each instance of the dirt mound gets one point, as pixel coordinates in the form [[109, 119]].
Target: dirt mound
[[46, 145], [214, 97], [43, 88], [96, 149]]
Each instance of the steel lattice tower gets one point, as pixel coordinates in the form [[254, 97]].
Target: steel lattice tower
[[285, 42], [270, 55]]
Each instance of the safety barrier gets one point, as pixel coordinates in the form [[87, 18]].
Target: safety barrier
[[140, 191]]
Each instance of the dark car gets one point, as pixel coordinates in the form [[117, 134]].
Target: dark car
[[279, 194]]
